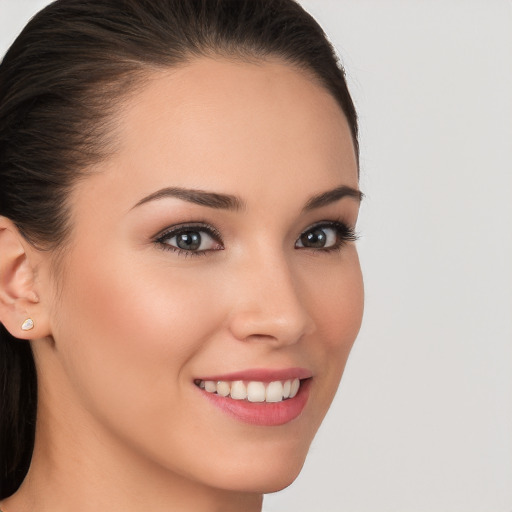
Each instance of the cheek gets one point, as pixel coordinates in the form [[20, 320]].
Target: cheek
[[126, 328], [336, 298], [337, 301]]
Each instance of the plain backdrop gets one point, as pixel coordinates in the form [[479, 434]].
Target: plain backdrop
[[423, 418]]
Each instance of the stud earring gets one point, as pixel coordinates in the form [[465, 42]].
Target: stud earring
[[27, 324]]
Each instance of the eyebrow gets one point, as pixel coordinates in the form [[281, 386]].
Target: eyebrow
[[234, 203], [331, 196], [200, 197]]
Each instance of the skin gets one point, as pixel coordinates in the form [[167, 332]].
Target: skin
[[123, 332]]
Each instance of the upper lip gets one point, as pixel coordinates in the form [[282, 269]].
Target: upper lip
[[262, 375]]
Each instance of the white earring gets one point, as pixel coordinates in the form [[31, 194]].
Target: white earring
[[27, 324]]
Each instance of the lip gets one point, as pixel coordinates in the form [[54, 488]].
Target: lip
[[262, 375], [262, 413]]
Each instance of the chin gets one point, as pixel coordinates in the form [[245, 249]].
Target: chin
[[280, 482], [265, 484], [265, 476]]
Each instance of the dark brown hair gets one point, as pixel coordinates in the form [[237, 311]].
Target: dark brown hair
[[62, 81]]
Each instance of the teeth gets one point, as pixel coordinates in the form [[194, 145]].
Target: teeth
[[294, 388], [274, 392], [223, 388], [238, 390], [210, 386], [286, 388], [253, 391], [256, 392]]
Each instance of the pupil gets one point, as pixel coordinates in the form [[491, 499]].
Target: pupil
[[190, 240], [315, 238]]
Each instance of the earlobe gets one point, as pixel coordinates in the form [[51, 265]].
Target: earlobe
[[27, 325], [19, 301]]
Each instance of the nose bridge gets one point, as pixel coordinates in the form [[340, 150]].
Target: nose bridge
[[269, 301]]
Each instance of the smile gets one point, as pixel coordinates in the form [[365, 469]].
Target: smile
[[259, 397], [253, 391]]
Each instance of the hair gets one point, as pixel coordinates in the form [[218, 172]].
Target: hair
[[62, 81]]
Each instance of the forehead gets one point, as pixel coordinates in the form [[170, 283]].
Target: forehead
[[231, 126]]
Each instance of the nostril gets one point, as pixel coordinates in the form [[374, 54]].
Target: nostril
[[268, 306], [258, 326]]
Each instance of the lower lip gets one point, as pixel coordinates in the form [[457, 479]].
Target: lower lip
[[262, 413]]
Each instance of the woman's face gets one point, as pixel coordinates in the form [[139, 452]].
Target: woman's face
[[214, 245]]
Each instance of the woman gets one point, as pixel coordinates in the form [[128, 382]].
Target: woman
[[180, 288]]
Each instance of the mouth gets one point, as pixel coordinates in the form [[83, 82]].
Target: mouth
[[260, 399], [252, 391]]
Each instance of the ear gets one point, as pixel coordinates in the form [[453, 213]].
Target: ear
[[19, 300]]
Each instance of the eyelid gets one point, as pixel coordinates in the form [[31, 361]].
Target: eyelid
[[188, 226], [331, 224], [175, 230], [344, 231]]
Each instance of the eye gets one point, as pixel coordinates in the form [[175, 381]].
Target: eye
[[191, 239], [326, 236]]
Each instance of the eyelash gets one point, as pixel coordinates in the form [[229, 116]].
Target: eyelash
[[344, 233], [184, 228]]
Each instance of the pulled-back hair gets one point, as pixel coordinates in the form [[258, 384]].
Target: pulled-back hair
[[61, 83]]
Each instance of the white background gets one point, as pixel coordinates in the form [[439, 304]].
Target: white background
[[423, 419]]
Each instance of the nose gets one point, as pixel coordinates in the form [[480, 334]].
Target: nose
[[269, 303]]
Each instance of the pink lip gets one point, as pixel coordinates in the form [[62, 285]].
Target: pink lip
[[262, 413], [263, 375]]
